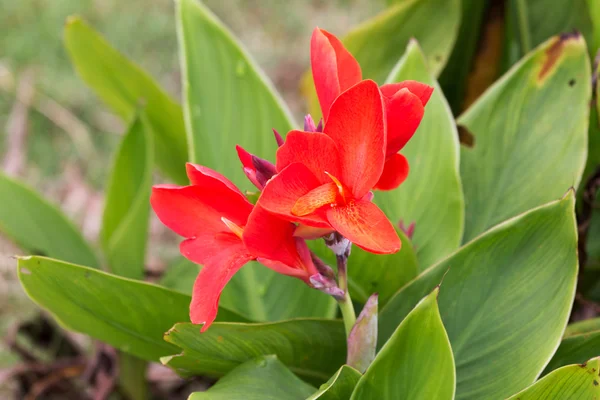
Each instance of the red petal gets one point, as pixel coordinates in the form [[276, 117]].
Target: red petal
[[421, 90], [333, 67], [197, 210], [217, 271], [395, 171], [404, 114], [268, 236], [283, 191], [356, 125], [315, 199], [316, 151], [365, 225], [209, 179]]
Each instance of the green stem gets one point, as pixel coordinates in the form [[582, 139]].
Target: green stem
[[523, 26], [345, 304]]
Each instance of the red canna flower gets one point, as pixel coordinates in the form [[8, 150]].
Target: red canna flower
[[335, 70], [223, 232], [324, 179]]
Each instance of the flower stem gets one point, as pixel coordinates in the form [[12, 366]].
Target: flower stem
[[345, 303]]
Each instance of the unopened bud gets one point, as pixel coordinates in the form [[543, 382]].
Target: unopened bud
[[362, 341], [338, 244], [264, 170], [326, 285], [278, 138]]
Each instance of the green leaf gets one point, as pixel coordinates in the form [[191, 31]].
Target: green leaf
[[532, 22], [506, 296], [594, 7], [370, 273], [415, 363], [339, 386], [263, 378], [129, 315], [227, 98], [123, 86], [575, 349], [311, 348], [39, 227], [585, 326], [377, 43], [432, 195], [573, 382], [517, 127], [125, 221]]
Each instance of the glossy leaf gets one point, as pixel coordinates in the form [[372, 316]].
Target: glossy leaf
[[594, 8], [264, 378], [431, 196], [370, 273], [311, 348], [129, 315], [517, 127], [416, 354], [127, 208], [124, 86], [532, 22], [339, 386], [227, 98], [573, 382], [506, 296], [575, 349], [585, 326], [39, 227]]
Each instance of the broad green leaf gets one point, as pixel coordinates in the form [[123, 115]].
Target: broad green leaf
[[532, 22], [506, 296], [575, 349], [370, 273], [39, 227], [453, 78], [432, 195], [415, 363], [573, 382], [517, 127], [585, 326], [125, 221], [264, 378], [227, 98], [311, 348], [123, 86], [129, 315], [339, 386], [378, 43]]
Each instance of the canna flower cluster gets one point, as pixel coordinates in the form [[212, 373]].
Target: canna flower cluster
[[321, 183]]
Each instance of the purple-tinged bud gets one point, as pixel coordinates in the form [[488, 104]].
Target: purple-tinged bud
[[264, 170], [338, 244], [278, 138], [320, 126], [409, 231], [323, 268], [309, 124], [362, 340], [327, 285]]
